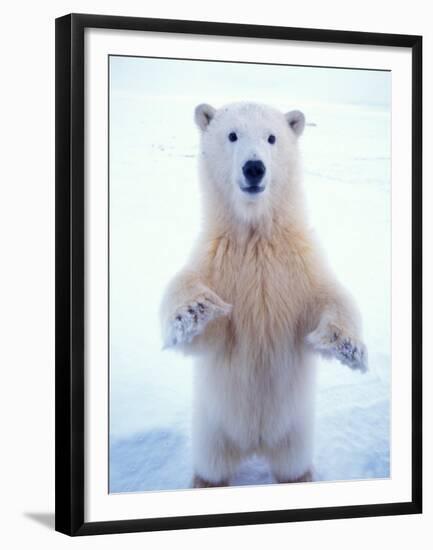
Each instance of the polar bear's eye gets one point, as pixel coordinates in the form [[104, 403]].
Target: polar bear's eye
[[233, 136], [271, 139]]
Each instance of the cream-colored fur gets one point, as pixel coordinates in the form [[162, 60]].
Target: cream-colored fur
[[255, 301]]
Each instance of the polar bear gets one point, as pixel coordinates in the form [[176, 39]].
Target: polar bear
[[256, 300]]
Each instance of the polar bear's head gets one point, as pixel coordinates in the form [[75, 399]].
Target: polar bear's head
[[249, 155]]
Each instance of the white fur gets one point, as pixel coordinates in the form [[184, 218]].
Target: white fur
[[256, 300]]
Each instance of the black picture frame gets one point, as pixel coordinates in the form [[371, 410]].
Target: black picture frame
[[70, 284]]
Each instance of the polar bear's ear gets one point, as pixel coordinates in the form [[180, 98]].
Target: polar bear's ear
[[296, 121], [204, 113]]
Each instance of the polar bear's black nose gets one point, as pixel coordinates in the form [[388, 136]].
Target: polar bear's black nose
[[254, 170]]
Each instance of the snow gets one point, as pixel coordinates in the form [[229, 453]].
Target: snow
[[154, 219]]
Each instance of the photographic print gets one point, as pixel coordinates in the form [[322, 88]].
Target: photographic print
[[249, 274], [238, 274]]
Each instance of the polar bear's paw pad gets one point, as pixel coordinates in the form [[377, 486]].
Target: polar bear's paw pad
[[333, 343], [351, 353], [191, 320]]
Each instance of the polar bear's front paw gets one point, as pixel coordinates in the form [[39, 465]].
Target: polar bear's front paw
[[333, 342], [191, 320], [352, 353]]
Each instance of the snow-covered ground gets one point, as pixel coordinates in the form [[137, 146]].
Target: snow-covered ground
[[154, 219]]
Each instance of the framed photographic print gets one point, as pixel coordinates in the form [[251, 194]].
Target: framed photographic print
[[238, 274]]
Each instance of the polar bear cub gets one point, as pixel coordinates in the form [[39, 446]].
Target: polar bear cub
[[256, 300]]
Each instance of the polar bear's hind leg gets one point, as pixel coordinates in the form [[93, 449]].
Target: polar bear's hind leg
[[292, 460], [215, 457]]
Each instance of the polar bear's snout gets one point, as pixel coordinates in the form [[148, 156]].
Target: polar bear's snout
[[253, 171]]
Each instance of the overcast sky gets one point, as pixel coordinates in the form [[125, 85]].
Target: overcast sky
[[216, 81]]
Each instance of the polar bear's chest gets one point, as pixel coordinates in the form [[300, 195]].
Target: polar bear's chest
[[267, 285]]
